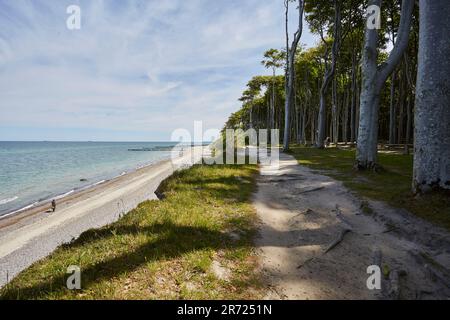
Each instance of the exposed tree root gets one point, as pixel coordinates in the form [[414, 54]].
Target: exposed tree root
[[310, 190], [307, 211], [282, 180], [339, 215], [375, 167], [347, 228], [338, 240], [306, 262]]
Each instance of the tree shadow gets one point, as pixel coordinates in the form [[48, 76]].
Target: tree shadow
[[173, 241]]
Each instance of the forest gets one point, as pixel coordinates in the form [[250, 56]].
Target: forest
[[376, 79]]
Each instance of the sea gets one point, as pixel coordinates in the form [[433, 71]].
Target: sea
[[35, 172]]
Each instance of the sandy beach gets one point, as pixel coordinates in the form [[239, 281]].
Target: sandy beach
[[33, 234]]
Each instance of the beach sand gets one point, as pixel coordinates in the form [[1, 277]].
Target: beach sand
[[33, 234]]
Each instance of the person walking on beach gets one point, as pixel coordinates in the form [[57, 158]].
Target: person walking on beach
[[53, 205]]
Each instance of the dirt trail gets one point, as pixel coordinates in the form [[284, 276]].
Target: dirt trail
[[303, 214]]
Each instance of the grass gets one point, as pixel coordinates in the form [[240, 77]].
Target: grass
[[162, 249], [392, 185]]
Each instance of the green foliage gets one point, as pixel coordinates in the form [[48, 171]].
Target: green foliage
[[162, 249]]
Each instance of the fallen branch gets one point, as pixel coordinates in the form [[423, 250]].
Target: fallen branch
[[435, 270], [291, 175], [310, 190], [338, 240], [282, 180], [307, 211], [285, 177], [304, 263], [342, 219], [347, 228], [391, 229]]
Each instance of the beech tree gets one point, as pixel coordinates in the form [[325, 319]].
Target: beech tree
[[374, 77], [290, 71], [272, 60], [329, 73], [264, 102], [432, 114]]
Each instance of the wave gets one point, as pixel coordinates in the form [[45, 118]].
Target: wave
[[97, 183], [43, 200], [64, 194], [17, 211], [8, 200]]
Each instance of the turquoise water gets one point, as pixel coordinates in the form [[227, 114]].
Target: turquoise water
[[32, 172]]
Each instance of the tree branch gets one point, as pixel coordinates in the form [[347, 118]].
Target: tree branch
[[401, 43], [335, 46]]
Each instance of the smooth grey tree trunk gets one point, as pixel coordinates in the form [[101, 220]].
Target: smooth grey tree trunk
[[272, 103], [408, 121], [432, 114], [353, 106], [401, 107], [373, 79], [303, 141], [410, 94], [291, 75], [345, 117], [328, 76], [392, 112], [392, 108]]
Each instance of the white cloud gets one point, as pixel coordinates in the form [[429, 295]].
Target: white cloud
[[135, 65]]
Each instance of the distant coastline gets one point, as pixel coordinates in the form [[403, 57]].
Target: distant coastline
[[62, 197], [33, 173]]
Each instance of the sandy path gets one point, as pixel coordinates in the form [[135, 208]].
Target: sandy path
[[302, 213], [34, 237]]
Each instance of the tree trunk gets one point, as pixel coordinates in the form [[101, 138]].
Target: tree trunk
[[272, 105], [373, 79], [353, 106], [432, 114], [303, 141], [290, 76], [410, 95], [358, 104], [408, 120], [392, 112], [328, 76], [335, 112], [313, 127], [401, 116], [345, 117]]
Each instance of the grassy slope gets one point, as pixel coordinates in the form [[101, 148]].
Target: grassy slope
[[162, 249], [393, 185]]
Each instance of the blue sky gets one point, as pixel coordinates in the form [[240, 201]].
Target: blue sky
[[137, 69]]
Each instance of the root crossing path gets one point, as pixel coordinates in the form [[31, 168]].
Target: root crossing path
[[316, 242]]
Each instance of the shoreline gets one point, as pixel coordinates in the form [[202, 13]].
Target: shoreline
[[44, 204], [34, 233], [61, 196]]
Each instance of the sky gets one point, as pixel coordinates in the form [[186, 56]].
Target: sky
[[135, 71]]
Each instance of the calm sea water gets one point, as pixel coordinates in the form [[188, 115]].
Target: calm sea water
[[31, 172]]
